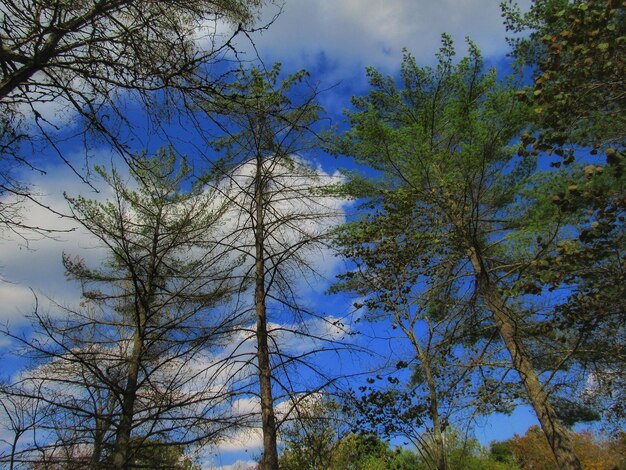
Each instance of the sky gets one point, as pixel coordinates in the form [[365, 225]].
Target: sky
[[335, 40]]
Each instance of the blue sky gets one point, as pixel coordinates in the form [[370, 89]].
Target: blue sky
[[335, 40]]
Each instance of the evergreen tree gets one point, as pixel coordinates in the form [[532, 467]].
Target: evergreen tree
[[442, 142]]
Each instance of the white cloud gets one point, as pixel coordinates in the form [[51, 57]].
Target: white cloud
[[358, 33], [238, 465], [296, 216], [251, 440], [31, 265], [17, 300], [4, 342]]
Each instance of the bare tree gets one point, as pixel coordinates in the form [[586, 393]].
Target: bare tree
[[85, 55], [282, 222], [135, 365], [20, 414]]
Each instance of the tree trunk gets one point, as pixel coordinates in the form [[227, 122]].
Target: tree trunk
[[558, 436], [96, 454], [439, 457], [16, 438], [122, 438], [270, 452], [103, 423]]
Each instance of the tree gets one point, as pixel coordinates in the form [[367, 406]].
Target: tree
[[465, 452], [134, 364], [312, 437], [82, 55], [152, 455], [442, 141], [282, 218], [321, 439], [322, 442], [577, 52], [532, 451], [435, 317], [20, 414], [369, 452], [155, 455]]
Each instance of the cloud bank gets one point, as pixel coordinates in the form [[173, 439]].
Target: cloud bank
[[352, 34]]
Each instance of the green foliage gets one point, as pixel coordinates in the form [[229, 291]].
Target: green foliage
[[149, 231], [441, 137], [449, 176], [361, 451], [319, 439], [389, 412], [368, 452], [350, 452], [311, 439], [263, 113], [156, 455], [501, 452], [466, 453], [530, 451], [579, 49]]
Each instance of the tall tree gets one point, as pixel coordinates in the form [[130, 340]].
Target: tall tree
[[442, 142], [576, 50], [436, 317], [282, 218], [20, 414], [135, 361]]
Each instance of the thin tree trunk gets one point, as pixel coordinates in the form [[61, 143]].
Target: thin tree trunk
[[103, 423], [16, 438], [270, 452], [96, 455], [558, 436], [440, 456], [433, 403], [122, 439]]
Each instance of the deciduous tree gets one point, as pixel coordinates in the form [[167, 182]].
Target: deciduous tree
[[576, 50], [435, 318]]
